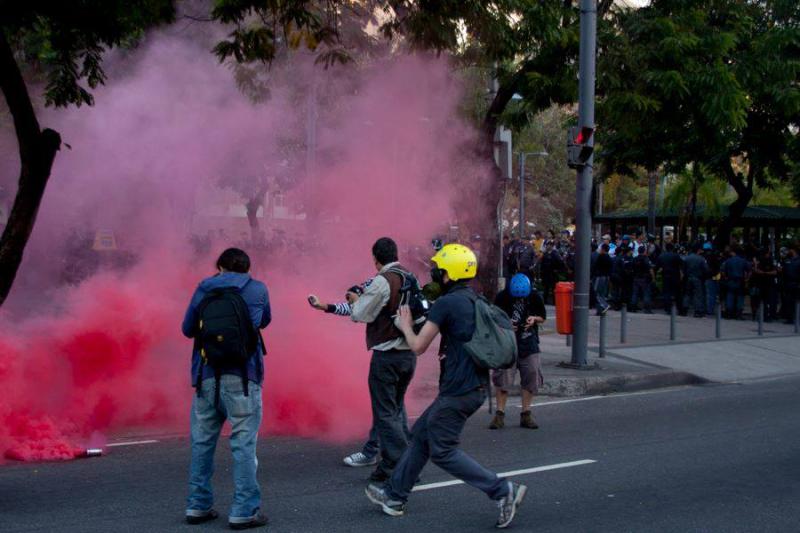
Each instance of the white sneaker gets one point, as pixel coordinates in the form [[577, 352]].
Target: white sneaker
[[508, 505], [359, 459]]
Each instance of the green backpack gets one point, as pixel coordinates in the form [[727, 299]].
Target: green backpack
[[494, 344]]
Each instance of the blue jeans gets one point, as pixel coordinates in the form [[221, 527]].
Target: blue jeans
[[435, 436], [734, 299], [244, 415], [600, 285]]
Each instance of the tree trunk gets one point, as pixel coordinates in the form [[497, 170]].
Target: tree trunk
[[488, 272], [735, 212], [37, 151], [744, 194]]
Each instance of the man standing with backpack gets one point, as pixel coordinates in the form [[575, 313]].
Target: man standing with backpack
[[462, 391], [393, 363], [526, 309], [224, 318]]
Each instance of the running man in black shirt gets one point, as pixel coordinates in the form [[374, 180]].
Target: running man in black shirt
[[462, 391]]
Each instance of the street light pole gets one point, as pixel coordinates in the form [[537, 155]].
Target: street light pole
[[522, 156], [583, 218]]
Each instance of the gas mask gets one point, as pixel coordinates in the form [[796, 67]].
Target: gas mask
[[437, 276]]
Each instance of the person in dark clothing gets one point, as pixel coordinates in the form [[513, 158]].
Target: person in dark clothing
[[642, 281], [238, 402], [462, 391], [671, 267], [524, 258], [695, 272], [764, 285], [735, 272], [622, 276], [551, 265], [368, 456], [526, 309], [393, 363], [712, 281], [791, 282], [602, 275]]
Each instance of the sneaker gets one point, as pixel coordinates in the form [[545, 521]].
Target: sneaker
[[378, 496], [360, 459], [602, 310], [258, 520], [508, 505], [378, 476], [195, 517], [526, 420], [499, 420]]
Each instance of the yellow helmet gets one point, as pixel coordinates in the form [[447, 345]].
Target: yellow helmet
[[457, 260]]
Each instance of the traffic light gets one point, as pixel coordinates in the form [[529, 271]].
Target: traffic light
[[580, 145]]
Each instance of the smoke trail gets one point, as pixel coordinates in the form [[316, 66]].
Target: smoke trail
[[106, 354]]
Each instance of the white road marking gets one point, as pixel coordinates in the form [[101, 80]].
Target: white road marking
[[131, 443], [607, 396], [545, 468]]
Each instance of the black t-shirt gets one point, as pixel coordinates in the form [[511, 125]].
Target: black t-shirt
[[602, 267], [670, 264], [454, 313], [518, 310], [642, 266]]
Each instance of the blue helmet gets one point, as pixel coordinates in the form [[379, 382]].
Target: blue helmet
[[708, 246], [520, 286]]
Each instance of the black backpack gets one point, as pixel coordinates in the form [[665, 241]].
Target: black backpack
[[411, 295], [226, 337]]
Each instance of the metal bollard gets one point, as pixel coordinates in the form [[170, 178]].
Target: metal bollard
[[569, 340], [672, 317], [602, 348], [623, 324], [718, 325], [760, 319], [797, 316]]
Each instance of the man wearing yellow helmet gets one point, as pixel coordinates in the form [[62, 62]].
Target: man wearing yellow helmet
[[462, 391]]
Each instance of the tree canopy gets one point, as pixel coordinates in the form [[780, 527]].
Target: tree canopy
[[711, 83]]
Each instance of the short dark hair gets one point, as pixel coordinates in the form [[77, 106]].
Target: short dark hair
[[384, 251], [605, 247], [234, 260], [669, 247], [642, 249]]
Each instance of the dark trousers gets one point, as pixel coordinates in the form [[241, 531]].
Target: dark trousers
[[548, 290], [390, 373], [373, 444], [642, 295], [672, 294], [435, 437], [694, 296]]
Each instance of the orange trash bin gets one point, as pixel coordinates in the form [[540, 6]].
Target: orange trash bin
[[563, 296]]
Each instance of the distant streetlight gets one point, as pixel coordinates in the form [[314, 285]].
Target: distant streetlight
[[522, 157]]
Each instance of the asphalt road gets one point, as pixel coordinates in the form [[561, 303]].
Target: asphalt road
[[710, 458]]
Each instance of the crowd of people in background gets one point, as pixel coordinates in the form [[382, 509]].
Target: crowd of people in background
[[643, 273]]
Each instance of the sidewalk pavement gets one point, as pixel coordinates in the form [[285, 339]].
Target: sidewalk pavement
[[649, 359]]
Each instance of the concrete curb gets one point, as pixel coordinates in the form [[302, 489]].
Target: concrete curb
[[585, 384], [628, 382]]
